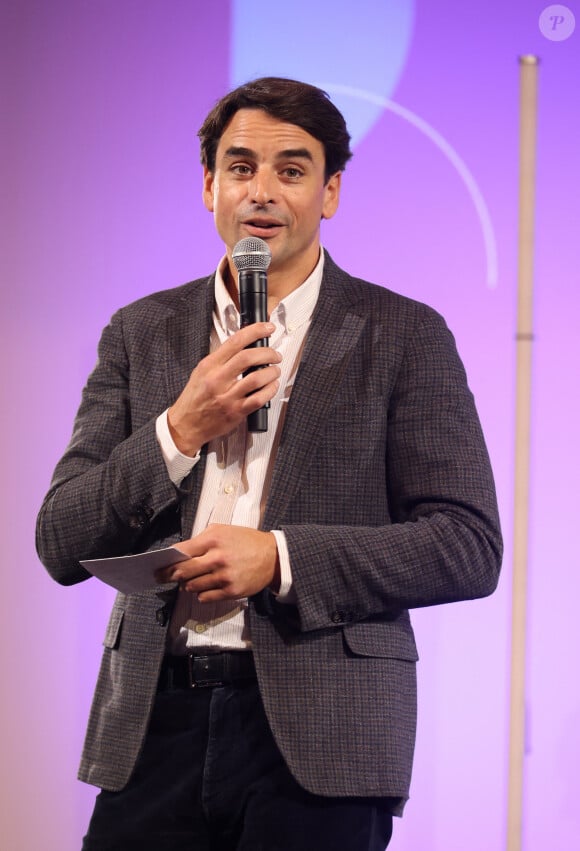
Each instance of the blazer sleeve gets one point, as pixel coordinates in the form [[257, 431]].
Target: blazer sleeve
[[110, 493], [440, 540]]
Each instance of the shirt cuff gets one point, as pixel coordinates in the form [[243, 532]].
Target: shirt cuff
[[178, 465], [286, 594]]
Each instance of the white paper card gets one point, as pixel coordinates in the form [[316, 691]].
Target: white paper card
[[133, 573]]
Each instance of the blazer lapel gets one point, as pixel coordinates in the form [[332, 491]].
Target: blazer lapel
[[333, 337], [187, 335]]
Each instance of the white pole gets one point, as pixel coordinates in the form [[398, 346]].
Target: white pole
[[524, 341]]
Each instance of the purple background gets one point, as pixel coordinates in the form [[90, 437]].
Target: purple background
[[101, 203]]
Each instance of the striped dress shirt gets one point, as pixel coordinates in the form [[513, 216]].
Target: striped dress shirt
[[238, 470]]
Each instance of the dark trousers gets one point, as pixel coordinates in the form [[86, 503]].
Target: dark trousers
[[210, 778]]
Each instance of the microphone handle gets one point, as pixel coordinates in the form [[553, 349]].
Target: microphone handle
[[253, 289]]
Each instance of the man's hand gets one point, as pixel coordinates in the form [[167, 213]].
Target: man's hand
[[215, 399], [227, 563]]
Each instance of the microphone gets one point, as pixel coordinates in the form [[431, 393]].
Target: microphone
[[251, 258]]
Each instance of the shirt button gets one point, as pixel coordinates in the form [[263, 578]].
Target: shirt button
[[199, 628], [229, 489]]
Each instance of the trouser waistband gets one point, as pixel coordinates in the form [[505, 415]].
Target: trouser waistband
[[206, 671]]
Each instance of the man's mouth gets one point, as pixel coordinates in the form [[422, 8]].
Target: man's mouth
[[262, 224]]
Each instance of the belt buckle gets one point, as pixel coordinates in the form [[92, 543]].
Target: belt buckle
[[199, 682]]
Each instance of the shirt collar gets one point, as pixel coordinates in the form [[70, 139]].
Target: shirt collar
[[292, 312]]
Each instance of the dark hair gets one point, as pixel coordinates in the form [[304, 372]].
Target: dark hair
[[287, 100]]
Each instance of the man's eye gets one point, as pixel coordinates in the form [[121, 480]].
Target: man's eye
[[241, 168], [292, 172]]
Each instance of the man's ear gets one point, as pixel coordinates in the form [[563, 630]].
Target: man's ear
[[331, 195], [207, 193]]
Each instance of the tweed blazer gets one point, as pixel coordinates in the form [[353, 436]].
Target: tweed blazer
[[382, 485]]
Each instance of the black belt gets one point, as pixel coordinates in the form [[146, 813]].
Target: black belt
[[215, 669]]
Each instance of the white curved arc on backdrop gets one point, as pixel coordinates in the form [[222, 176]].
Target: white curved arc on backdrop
[[450, 153]]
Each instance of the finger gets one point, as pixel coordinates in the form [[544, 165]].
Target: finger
[[193, 569], [201, 584], [248, 361], [212, 594], [255, 380], [192, 547], [244, 338], [215, 596], [167, 573], [162, 575], [184, 570], [258, 399]]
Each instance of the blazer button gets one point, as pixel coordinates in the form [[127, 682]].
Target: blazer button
[[337, 617], [161, 616]]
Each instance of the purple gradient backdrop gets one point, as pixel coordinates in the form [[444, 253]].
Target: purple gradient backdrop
[[102, 204]]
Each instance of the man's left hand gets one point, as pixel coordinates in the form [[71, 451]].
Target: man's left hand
[[226, 562]]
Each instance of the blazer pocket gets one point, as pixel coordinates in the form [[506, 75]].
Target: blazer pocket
[[113, 633], [387, 640]]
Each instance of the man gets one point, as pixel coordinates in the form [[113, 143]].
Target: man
[[265, 698]]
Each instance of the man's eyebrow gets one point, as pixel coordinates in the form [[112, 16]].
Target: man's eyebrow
[[288, 154], [235, 151], [295, 154]]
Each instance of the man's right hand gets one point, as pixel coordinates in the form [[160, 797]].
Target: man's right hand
[[216, 398]]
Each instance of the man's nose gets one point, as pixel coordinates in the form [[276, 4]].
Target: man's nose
[[262, 187]]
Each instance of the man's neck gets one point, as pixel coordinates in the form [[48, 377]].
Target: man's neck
[[280, 284]]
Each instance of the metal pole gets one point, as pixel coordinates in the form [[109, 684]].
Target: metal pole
[[524, 342]]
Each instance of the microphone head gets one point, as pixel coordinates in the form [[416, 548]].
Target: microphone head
[[251, 253]]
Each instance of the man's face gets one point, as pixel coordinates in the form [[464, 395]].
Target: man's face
[[269, 183]]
